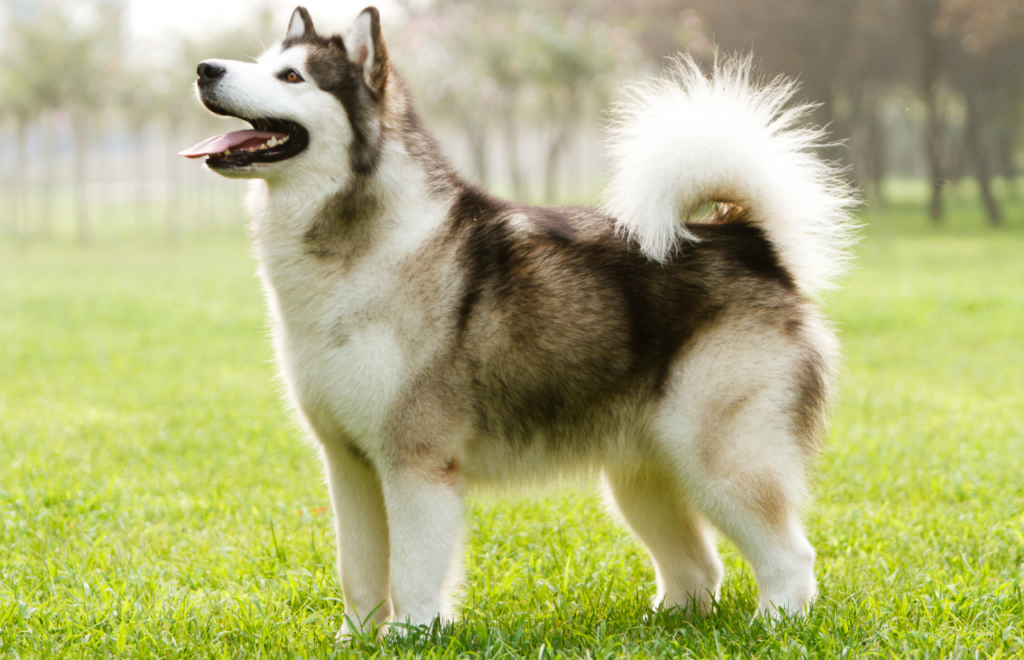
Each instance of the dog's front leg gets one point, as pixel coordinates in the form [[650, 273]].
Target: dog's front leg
[[362, 531], [424, 506]]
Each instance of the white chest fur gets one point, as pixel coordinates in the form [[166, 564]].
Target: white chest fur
[[348, 339]]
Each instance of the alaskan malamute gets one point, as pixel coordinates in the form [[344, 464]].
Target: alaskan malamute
[[432, 336]]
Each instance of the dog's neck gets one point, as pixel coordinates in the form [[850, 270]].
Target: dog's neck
[[393, 208]]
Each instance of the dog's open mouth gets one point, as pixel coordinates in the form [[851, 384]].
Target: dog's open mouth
[[269, 141]]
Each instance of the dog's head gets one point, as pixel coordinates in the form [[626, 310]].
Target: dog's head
[[310, 99]]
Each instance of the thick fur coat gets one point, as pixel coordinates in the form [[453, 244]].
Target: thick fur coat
[[432, 336]]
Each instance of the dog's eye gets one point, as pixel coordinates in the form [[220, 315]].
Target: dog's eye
[[291, 75]]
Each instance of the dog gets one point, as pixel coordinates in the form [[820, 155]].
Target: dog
[[432, 336]]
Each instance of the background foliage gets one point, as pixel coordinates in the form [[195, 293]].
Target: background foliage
[[925, 89]]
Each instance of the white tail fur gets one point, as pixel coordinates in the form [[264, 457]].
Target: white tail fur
[[681, 141]]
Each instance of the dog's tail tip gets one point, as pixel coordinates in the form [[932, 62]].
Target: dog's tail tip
[[689, 138]]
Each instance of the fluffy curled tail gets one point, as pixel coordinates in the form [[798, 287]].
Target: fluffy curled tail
[[687, 139]]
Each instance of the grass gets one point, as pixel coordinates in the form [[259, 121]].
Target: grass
[[157, 501]]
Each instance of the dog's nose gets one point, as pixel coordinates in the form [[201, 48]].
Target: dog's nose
[[208, 72]]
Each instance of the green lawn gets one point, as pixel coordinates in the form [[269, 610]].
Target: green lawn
[[157, 501]]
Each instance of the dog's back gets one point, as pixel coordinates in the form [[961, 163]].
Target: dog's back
[[564, 334]]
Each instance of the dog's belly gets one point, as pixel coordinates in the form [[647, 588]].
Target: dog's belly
[[494, 461], [512, 446]]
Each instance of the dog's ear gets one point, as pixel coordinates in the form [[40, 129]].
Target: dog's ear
[[365, 46], [300, 25]]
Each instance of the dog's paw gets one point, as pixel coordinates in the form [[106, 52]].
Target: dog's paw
[[347, 632], [690, 605], [370, 633], [772, 613], [401, 631]]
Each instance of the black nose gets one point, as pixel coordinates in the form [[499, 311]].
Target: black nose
[[208, 72]]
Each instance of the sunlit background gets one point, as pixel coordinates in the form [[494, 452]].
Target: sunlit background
[[95, 95]]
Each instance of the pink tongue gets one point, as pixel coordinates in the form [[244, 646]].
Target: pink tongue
[[235, 140]]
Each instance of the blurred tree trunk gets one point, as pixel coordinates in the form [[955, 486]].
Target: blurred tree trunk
[[10, 203], [476, 133], [173, 177], [876, 146], [19, 193], [923, 15], [46, 209], [80, 129], [867, 142], [1006, 145], [975, 148], [139, 145], [564, 121], [934, 129], [555, 150], [508, 124], [1004, 159]]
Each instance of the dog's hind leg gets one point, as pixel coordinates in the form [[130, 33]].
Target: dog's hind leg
[[686, 563], [737, 425], [756, 510], [744, 471], [362, 532]]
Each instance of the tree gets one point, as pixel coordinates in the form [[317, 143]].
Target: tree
[[71, 64], [19, 102], [809, 39], [138, 102], [572, 68], [549, 63], [986, 46], [457, 86], [850, 55], [931, 50]]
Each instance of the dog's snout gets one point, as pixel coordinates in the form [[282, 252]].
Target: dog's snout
[[209, 72]]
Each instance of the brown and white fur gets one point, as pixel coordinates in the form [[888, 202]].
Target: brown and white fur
[[433, 337]]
